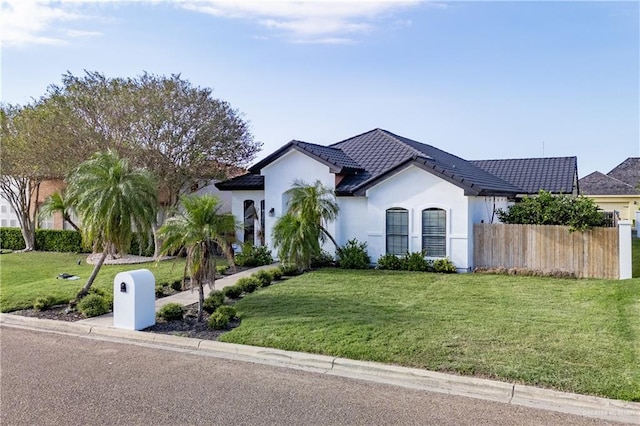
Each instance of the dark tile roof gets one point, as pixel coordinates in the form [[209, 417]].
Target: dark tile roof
[[366, 159], [628, 171], [381, 152], [600, 184], [247, 181], [337, 160], [554, 174]]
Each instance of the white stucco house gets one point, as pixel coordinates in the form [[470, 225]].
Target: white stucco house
[[396, 194]]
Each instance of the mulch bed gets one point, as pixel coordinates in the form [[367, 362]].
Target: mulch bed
[[187, 327]]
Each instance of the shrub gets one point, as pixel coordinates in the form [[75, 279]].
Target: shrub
[[264, 277], [230, 311], [160, 290], [579, 213], [414, 262], [233, 291], [322, 259], [251, 255], [218, 320], [390, 261], [222, 269], [58, 240], [354, 255], [11, 239], [290, 270], [43, 303], [143, 246], [276, 273], [213, 301], [93, 305], [171, 312], [248, 284], [444, 265], [177, 285]]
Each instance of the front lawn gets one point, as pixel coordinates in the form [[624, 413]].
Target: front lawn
[[635, 253], [573, 335], [26, 276]]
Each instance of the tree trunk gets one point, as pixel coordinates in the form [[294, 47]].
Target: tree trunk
[[67, 218], [85, 290], [157, 243], [29, 237], [333, 240], [200, 300]]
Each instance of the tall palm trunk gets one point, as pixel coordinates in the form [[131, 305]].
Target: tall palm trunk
[[85, 290], [333, 240], [200, 300]]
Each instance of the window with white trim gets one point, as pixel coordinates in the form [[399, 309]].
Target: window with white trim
[[434, 232], [397, 231]]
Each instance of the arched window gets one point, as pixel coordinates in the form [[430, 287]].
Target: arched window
[[249, 221], [434, 232], [397, 231]]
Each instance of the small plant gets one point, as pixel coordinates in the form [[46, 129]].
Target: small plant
[[276, 273], [171, 312], [322, 259], [93, 305], [177, 285], [214, 300], [354, 255], [264, 277], [444, 265], [160, 290], [390, 261], [230, 311], [222, 269], [221, 317], [414, 262], [251, 255], [43, 303], [290, 270], [248, 284], [233, 291]]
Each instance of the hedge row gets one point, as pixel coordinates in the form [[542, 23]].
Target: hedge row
[[59, 240]]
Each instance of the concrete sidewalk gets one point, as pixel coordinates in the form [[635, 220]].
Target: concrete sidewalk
[[187, 297]]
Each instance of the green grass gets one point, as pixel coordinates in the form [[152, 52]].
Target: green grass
[[573, 335], [26, 276], [635, 253]]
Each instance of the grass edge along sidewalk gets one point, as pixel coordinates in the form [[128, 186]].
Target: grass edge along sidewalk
[[578, 336]]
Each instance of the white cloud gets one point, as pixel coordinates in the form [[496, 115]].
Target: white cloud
[[306, 21], [24, 22]]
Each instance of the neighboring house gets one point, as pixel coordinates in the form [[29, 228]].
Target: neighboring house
[[618, 190], [394, 193], [8, 217]]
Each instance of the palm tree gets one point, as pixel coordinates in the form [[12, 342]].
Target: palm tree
[[113, 199], [198, 229], [298, 233], [58, 203]]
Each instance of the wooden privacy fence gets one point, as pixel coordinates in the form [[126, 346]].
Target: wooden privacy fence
[[588, 254]]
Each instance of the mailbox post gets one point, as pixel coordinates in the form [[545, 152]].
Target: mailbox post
[[134, 300]]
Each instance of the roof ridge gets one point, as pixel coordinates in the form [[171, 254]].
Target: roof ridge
[[397, 139], [618, 180], [526, 158]]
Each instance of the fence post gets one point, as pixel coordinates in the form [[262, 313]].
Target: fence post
[[637, 223], [624, 242]]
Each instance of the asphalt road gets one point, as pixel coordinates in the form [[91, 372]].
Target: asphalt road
[[49, 378]]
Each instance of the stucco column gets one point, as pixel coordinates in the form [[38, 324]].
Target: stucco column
[[624, 241]]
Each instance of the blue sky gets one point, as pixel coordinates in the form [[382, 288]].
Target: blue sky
[[481, 80]]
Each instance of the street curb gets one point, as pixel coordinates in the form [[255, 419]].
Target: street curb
[[491, 390]]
